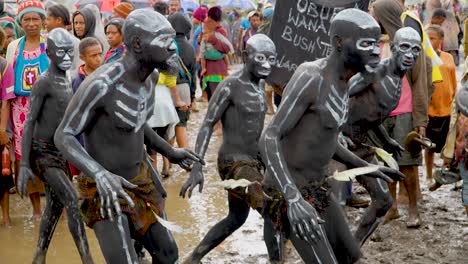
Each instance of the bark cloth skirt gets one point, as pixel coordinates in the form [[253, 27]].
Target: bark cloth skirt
[[147, 201]]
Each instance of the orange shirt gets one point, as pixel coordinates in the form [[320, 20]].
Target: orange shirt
[[444, 91]]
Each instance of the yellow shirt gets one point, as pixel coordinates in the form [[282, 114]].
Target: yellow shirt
[[167, 80], [444, 91]]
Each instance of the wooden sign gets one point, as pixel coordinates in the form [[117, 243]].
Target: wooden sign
[[300, 30]]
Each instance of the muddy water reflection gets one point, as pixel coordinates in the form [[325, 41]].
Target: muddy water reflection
[[195, 216]]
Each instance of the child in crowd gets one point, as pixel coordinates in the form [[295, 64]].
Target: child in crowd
[[442, 98], [114, 36], [91, 53], [6, 88]]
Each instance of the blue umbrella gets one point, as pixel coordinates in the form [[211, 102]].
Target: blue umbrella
[[241, 4], [189, 5]]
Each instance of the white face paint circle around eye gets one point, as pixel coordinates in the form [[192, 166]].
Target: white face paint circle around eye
[[360, 44], [407, 47], [260, 58], [60, 52], [272, 60], [163, 40]]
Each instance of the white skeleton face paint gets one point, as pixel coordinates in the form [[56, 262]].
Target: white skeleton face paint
[[263, 63], [354, 34], [406, 47], [66, 56], [60, 48], [261, 55]]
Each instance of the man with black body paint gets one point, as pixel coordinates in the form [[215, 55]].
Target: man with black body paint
[[302, 139], [110, 109], [240, 104], [49, 99], [373, 96]]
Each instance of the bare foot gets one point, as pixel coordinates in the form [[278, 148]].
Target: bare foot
[[429, 181], [7, 222], [36, 217], [166, 173], [391, 215], [270, 111], [414, 221]]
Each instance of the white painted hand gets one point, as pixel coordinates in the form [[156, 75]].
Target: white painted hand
[[109, 187]]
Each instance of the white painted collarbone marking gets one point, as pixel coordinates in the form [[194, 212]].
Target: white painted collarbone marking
[[395, 86], [256, 87], [337, 106]]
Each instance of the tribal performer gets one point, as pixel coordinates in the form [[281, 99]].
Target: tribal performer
[[373, 96], [49, 99], [303, 137], [240, 104], [110, 109]]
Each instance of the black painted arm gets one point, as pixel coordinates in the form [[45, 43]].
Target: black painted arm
[[79, 113], [37, 95]]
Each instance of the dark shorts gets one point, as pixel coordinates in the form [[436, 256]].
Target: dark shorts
[[398, 127], [162, 132], [184, 116], [45, 155], [437, 130], [237, 168], [210, 89], [147, 201]]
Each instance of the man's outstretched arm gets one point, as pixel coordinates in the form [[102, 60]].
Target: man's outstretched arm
[[216, 108]]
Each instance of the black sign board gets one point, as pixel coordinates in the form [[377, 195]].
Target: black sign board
[[300, 30]]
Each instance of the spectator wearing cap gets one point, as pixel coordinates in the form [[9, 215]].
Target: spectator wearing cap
[[254, 21], [59, 17], [122, 10], [267, 17], [198, 16], [114, 36], [27, 55]]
